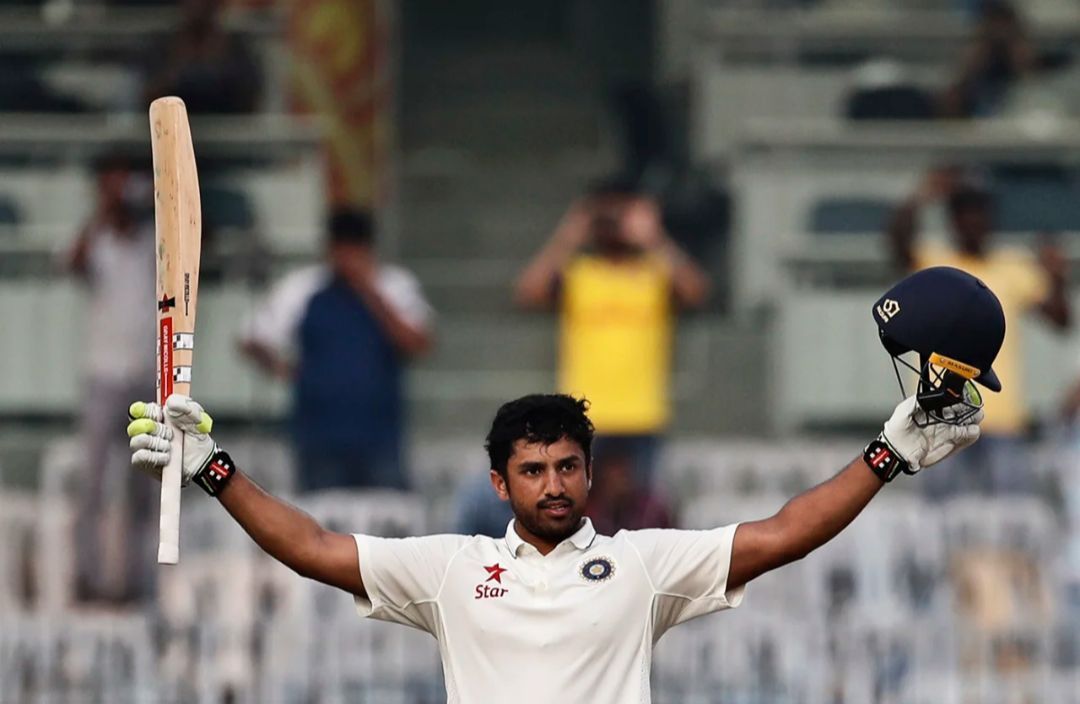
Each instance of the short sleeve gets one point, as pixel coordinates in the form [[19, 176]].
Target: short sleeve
[[403, 576], [402, 290], [688, 570], [275, 324]]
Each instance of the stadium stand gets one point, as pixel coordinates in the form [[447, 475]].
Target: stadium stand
[[894, 614]]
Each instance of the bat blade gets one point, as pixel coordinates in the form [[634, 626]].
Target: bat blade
[[178, 236]]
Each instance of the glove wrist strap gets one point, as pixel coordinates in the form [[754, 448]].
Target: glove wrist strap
[[216, 473], [883, 460]]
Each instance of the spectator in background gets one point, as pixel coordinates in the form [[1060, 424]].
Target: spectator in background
[[617, 278], [342, 333], [620, 501], [1022, 283], [478, 509], [210, 69], [1000, 54], [113, 255]]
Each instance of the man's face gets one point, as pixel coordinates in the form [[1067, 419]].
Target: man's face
[[112, 185], [608, 235], [971, 227], [547, 487], [352, 261]]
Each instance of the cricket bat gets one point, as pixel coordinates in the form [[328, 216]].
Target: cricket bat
[[178, 236]]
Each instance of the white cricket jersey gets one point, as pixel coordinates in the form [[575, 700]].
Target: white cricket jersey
[[575, 626]]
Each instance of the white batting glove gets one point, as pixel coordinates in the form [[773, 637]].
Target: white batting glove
[[151, 437], [914, 443]]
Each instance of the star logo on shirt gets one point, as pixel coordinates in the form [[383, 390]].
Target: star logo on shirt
[[495, 572]]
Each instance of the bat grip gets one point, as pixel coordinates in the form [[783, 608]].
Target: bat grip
[[169, 526]]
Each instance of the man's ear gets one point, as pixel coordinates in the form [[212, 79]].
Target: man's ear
[[499, 484], [588, 475]]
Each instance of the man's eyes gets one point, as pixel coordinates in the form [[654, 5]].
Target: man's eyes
[[566, 467]]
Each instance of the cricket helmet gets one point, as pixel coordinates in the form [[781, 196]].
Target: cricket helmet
[[955, 325]]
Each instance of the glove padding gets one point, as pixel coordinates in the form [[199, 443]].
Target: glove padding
[[924, 446], [151, 437]]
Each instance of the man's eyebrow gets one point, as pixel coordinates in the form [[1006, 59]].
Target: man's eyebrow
[[537, 464]]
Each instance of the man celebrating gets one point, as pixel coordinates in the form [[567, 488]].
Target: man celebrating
[[554, 611]]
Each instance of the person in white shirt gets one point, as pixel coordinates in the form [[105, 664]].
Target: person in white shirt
[[113, 255], [551, 611]]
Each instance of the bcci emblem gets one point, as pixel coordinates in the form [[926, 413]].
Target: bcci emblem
[[598, 569]]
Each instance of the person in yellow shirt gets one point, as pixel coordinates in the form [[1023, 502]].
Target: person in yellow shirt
[[617, 279], [1022, 282]]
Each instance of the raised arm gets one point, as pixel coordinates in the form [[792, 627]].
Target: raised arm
[[266, 358], [644, 228], [292, 537], [410, 338], [1055, 308], [689, 284], [537, 284], [804, 524], [817, 516], [903, 225], [286, 533]]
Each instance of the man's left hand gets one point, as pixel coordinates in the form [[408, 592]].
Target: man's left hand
[[922, 445]]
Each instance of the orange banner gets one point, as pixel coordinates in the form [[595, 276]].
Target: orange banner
[[341, 51]]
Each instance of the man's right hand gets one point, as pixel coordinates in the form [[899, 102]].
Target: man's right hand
[[151, 438], [575, 228]]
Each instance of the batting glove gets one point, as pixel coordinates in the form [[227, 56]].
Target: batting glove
[[909, 444], [151, 442]]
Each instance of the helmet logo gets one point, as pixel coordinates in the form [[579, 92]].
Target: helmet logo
[[965, 370], [888, 309]]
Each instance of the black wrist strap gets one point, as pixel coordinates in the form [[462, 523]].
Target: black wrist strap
[[217, 473], [883, 460]]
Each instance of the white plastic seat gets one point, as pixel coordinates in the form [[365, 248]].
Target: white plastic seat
[[105, 657], [19, 540]]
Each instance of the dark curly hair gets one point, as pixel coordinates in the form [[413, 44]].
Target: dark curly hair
[[543, 418]]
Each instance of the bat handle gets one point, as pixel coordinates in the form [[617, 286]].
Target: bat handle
[[169, 526]]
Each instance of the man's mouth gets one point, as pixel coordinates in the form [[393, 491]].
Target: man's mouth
[[556, 509]]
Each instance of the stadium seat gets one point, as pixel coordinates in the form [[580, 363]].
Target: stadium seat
[[894, 102], [702, 469], [372, 661], [17, 550], [210, 603], [10, 214], [103, 657], [1038, 204], [226, 207], [753, 655], [850, 215], [343, 657]]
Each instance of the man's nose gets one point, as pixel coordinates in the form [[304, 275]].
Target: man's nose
[[553, 484]]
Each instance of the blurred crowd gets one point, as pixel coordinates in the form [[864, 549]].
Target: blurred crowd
[[211, 68], [997, 62]]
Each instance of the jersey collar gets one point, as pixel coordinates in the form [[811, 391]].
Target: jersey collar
[[581, 540]]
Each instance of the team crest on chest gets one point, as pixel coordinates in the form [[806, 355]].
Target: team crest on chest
[[598, 569]]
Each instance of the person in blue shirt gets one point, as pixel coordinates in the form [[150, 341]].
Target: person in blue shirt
[[342, 332]]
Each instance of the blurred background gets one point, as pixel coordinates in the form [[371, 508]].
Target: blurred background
[[414, 211]]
